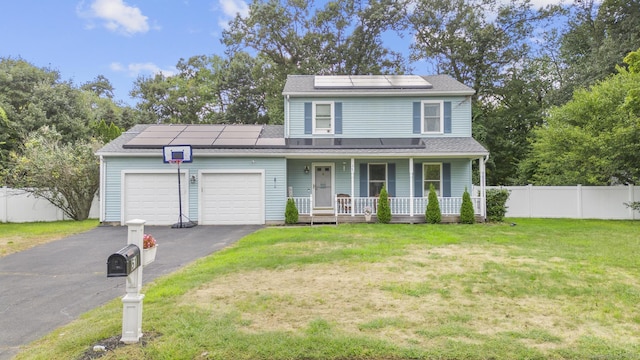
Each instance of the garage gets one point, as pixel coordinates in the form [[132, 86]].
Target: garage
[[232, 198], [153, 197]]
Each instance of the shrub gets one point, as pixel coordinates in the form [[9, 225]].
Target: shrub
[[496, 204], [467, 214], [291, 212], [384, 210], [433, 215]]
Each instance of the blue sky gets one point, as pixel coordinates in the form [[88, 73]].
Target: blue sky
[[120, 39], [115, 38]]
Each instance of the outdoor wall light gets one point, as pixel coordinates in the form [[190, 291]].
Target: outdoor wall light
[[344, 166], [306, 169], [193, 179]]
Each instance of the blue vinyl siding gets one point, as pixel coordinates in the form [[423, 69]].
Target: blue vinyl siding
[[273, 168], [382, 116]]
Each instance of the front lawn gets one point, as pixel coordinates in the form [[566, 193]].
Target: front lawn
[[542, 289], [16, 237]]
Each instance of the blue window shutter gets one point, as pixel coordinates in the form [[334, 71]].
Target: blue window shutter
[[417, 121], [364, 180], [417, 180], [446, 179], [308, 123], [337, 117], [391, 176], [447, 117]]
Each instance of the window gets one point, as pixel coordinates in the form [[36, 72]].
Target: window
[[432, 174], [323, 118], [377, 178], [432, 116]]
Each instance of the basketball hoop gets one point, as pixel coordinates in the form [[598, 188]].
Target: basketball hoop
[[176, 155]]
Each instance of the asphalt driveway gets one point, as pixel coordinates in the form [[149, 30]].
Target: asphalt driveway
[[50, 285]]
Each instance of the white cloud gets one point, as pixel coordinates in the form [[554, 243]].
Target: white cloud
[[232, 7], [136, 69], [116, 16]]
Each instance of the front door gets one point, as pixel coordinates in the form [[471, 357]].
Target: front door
[[323, 185]]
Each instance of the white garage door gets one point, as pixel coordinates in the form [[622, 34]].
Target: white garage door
[[153, 197], [232, 199]]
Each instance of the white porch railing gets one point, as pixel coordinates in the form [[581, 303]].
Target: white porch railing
[[398, 205]]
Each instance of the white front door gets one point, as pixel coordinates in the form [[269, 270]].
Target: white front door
[[323, 185]]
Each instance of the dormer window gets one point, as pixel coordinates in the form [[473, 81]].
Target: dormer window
[[432, 117], [323, 120]]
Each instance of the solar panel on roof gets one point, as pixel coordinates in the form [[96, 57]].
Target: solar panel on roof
[[371, 82]]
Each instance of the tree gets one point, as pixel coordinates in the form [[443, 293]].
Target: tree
[[383, 212], [600, 34], [295, 37], [467, 214], [67, 175], [291, 212], [433, 214], [594, 139]]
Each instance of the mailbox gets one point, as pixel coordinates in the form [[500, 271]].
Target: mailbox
[[124, 262]]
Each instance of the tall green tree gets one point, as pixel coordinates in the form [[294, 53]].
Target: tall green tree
[[67, 175], [205, 90], [594, 139], [599, 35], [298, 37]]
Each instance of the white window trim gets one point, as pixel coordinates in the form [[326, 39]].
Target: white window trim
[[425, 193], [386, 176], [441, 103], [313, 116]]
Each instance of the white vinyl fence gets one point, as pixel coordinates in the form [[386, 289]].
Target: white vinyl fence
[[19, 206], [575, 202]]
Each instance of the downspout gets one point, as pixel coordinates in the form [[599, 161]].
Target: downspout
[[102, 188], [286, 117]]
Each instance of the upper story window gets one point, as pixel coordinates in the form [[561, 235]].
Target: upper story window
[[432, 175], [377, 178], [432, 117], [323, 120]]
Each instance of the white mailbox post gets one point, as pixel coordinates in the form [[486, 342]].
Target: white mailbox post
[[132, 300]]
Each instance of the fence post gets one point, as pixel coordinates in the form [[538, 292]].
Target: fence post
[[3, 203], [579, 194], [632, 213]]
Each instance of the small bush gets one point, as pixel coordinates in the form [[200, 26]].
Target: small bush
[[496, 204], [433, 215], [384, 210], [291, 212], [467, 214]]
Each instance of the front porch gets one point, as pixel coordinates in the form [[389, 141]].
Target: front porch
[[349, 209]]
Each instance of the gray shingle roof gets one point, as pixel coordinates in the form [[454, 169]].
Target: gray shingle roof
[[432, 147], [301, 85]]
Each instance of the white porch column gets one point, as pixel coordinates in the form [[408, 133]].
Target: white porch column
[[411, 190], [483, 186], [353, 187]]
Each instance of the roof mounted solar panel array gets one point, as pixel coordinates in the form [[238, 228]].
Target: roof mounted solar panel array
[[371, 82]]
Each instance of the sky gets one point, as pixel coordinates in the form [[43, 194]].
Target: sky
[[115, 38], [119, 39]]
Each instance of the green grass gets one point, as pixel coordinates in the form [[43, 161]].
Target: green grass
[[543, 289], [16, 237]]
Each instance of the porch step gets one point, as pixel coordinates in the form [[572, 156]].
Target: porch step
[[324, 219]]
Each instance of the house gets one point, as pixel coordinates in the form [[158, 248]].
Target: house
[[343, 139]]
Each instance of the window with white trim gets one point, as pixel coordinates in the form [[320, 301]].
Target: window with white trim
[[432, 117], [323, 121], [432, 175], [377, 178]]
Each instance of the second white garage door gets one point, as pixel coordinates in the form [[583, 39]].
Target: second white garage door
[[232, 199]]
